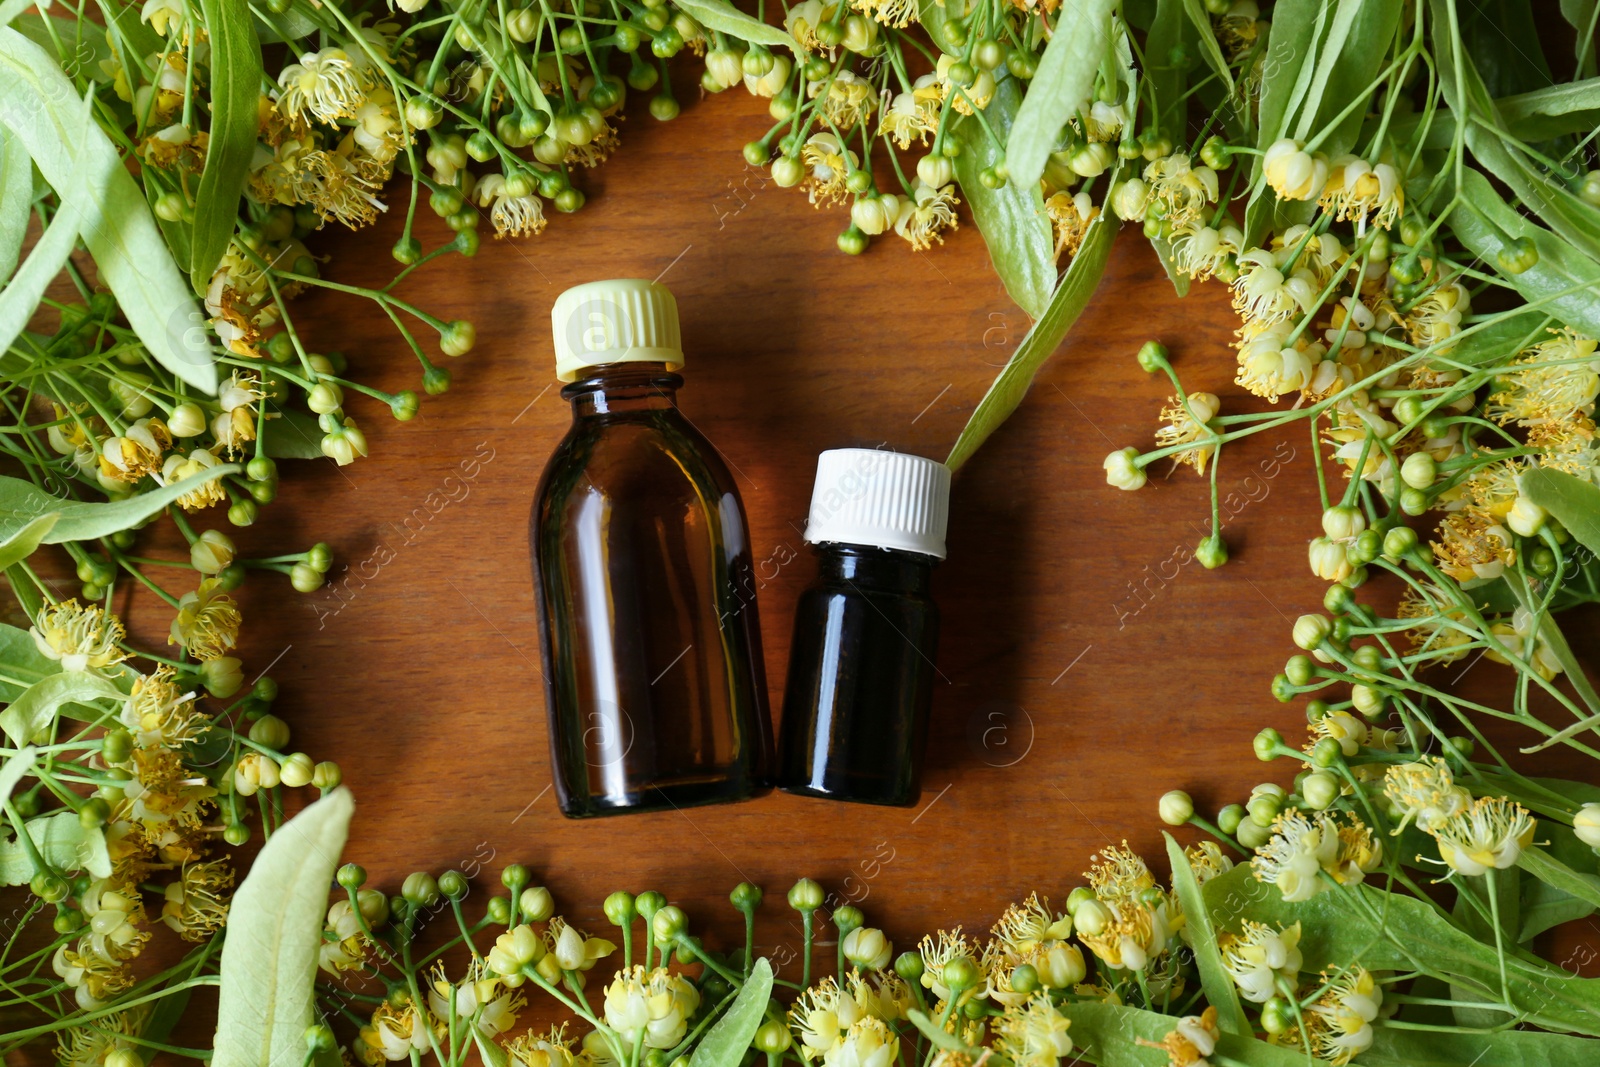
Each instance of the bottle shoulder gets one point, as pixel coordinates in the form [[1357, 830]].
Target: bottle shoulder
[[655, 456]]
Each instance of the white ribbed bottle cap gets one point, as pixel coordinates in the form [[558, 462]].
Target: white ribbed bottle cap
[[625, 320], [867, 496]]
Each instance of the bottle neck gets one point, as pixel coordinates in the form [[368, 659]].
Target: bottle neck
[[884, 569], [616, 388]]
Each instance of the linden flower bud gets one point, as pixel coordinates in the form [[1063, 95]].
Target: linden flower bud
[[297, 770], [1062, 966], [514, 950], [325, 397], [1526, 518], [787, 172], [1091, 917], [1176, 808], [1294, 173], [868, 948], [187, 420], [726, 66], [1343, 522], [222, 677], [1320, 789], [1419, 470], [1311, 630], [1586, 824], [1123, 471], [874, 214], [1130, 198], [935, 170], [212, 553], [1329, 560], [537, 903]]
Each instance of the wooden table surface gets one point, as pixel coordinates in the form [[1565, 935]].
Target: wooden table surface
[[1084, 668]]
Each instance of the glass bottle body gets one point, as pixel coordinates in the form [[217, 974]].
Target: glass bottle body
[[654, 681], [860, 681]]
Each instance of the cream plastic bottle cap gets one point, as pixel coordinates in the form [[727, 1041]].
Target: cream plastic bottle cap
[[867, 496], [625, 320]]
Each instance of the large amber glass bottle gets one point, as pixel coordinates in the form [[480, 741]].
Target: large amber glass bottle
[[642, 566]]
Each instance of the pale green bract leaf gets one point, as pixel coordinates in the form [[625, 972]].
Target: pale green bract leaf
[[63, 842], [724, 17], [1393, 1047], [30, 716], [1201, 937], [269, 952], [235, 90], [1011, 218], [17, 767], [1060, 87], [16, 200], [38, 102], [21, 296], [20, 545], [1200, 19], [1574, 502], [292, 435], [21, 659], [1561, 283], [1109, 1035], [22, 502], [1011, 384], [1553, 872], [725, 1043]]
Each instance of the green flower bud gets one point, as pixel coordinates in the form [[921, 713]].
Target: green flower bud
[[1267, 744], [457, 338], [1310, 631], [319, 1038], [94, 813], [1399, 542], [453, 884], [961, 973], [1320, 789], [269, 731], [668, 925], [236, 833], [1212, 552], [326, 776], [1518, 256], [787, 172], [847, 918], [1326, 752], [351, 876], [569, 200], [498, 911], [1079, 897], [1263, 808], [1368, 700], [1300, 670], [772, 1037], [619, 908], [908, 965], [1228, 818], [1025, 978], [222, 677], [1276, 1016], [805, 896], [1153, 357], [648, 903], [745, 897], [305, 578], [420, 889], [852, 242], [212, 552], [1419, 470], [297, 770], [1176, 807], [49, 887], [1252, 835], [1091, 917]]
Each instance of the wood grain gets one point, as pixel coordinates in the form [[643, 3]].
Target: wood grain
[[1085, 667]]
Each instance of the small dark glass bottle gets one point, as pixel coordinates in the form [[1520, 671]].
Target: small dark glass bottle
[[861, 665], [652, 652]]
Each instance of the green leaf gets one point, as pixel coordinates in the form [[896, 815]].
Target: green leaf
[[292, 25], [1582, 14], [38, 102], [725, 1043], [27, 595], [20, 298], [1575, 503], [17, 766], [235, 90], [1108, 1034], [1392, 1047], [1167, 80], [1561, 283], [1201, 21], [1201, 937], [723, 16], [1011, 384], [269, 952], [31, 714], [1012, 218], [1295, 27], [20, 545], [16, 200], [1551, 871], [292, 435], [22, 502], [1060, 87], [63, 842], [1398, 932]]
